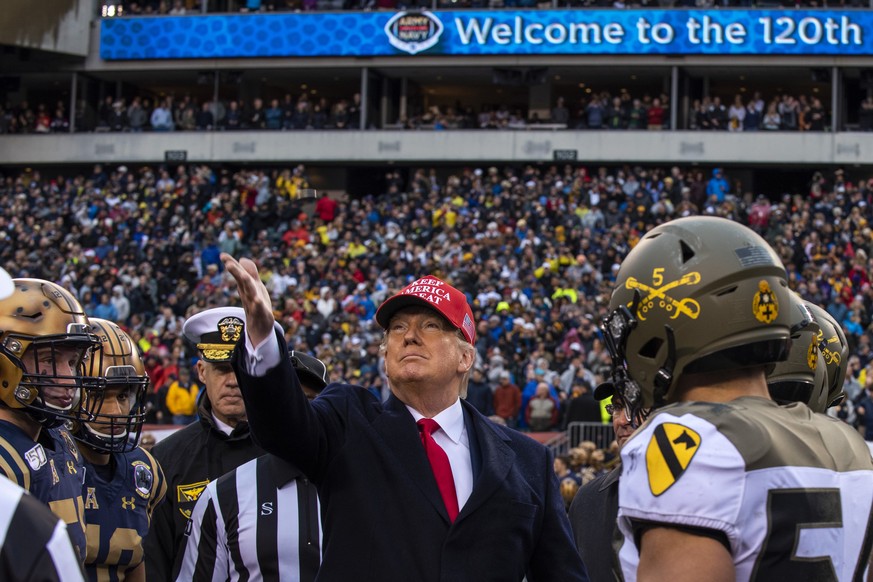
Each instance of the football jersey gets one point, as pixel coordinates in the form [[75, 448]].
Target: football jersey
[[118, 511], [51, 470], [790, 491]]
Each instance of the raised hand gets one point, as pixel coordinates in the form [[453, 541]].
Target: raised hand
[[254, 296]]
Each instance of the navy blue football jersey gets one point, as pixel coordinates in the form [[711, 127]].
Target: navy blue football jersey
[[51, 470], [118, 513]]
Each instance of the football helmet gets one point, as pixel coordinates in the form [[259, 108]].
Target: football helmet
[[116, 375], [45, 340], [802, 377], [696, 294], [834, 348]]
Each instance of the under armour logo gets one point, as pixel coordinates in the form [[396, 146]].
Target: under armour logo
[[267, 508], [128, 503]]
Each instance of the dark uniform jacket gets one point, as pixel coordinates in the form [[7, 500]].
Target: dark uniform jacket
[[384, 519], [191, 458], [593, 516]]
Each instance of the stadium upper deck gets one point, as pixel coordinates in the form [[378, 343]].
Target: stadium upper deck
[[405, 64]]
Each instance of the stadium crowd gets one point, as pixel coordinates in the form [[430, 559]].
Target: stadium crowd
[[786, 113], [535, 247], [598, 110]]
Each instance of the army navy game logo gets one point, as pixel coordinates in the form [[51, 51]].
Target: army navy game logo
[[413, 32]]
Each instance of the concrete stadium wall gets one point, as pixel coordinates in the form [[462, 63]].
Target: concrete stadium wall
[[787, 149], [61, 26]]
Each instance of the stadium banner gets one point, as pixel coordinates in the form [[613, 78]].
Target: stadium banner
[[504, 32]]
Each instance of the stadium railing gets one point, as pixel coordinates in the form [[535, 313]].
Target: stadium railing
[[597, 432]]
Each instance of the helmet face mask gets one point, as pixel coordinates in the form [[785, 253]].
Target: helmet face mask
[[697, 294], [45, 343], [616, 326], [112, 410]]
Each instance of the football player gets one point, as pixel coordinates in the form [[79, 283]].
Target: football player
[[834, 348], [721, 482], [816, 366], [123, 483], [45, 339], [802, 376]]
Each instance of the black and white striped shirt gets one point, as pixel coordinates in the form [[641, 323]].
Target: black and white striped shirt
[[34, 544], [261, 521]]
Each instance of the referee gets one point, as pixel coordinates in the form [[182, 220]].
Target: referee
[[34, 544], [262, 520]]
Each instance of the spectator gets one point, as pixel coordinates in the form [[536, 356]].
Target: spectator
[[162, 117], [234, 118], [817, 116], [273, 115], [716, 115], [507, 400], [594, 113], [121, 303], [118, 120], [205, 120], [864, 412], [752, 120], [655, 115], [182, 398], [326, 208], [542, 410], [582, 407], [106, 310], [718, 186], [788, 113], [772, 120], [615, 115], [137, 116], [560, 113], [638, 116], [479, 393], [257, 116], [59, 123], [736, 115]]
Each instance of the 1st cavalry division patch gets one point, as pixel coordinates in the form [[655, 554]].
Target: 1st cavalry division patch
[[668, 455]]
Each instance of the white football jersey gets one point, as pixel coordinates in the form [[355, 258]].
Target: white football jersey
[[790, 490]]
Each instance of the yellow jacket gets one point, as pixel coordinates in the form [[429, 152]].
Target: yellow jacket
[[182, 400]]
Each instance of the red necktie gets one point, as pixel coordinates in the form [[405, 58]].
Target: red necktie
[[439, 462]]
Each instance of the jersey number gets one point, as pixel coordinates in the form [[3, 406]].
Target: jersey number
[[123, 539], [788, 512]]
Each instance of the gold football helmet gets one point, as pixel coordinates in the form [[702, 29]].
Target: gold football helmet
[[45, 340], [113, 405]]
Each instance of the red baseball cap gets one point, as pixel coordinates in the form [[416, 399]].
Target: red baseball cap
[[438, 295]]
